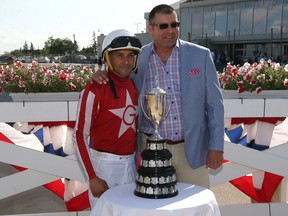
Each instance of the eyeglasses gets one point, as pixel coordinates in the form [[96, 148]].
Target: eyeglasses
[[166, 25], [123, 41]]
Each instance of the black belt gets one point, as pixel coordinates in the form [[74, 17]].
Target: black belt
[[169, 142]]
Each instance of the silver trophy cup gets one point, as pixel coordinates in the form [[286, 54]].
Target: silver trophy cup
[[155, 109]]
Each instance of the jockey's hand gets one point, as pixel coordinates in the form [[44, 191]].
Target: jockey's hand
[[98, 186], [100, 77]]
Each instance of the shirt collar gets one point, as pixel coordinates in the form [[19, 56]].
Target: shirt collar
[[153, 47]]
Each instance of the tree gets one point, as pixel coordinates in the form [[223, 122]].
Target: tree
[[60, 46], [75, 46], [87, 51], [25, 47], [31, 48], [94, 43], [16, 52]]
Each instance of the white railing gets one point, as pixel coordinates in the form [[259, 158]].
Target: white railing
[[242, 160]]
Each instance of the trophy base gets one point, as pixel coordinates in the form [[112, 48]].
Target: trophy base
[[155, 192], [156, 176]]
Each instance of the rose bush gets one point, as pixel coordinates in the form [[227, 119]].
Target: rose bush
[[37, 78], [266, 75]]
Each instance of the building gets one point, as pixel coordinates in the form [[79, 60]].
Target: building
[[239, 28]]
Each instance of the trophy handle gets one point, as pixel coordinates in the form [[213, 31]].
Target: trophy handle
[[142, 107], [144, 111], [168, 110]]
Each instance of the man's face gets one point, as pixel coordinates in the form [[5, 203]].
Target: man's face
[[122, 62], [164, 38]]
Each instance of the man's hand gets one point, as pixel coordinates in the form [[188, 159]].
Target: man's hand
[[100, 77], [98, 186], [214, 159]]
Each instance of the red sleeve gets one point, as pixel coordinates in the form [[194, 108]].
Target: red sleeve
[[82, 129]]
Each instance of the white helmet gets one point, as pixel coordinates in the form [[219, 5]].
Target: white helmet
[[118, 40]]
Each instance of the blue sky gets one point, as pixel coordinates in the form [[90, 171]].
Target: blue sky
[[36, 20]]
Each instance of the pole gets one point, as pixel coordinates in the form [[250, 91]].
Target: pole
[[281, 42], [137, 26], [234, 45], [229, 51], [271, 51]]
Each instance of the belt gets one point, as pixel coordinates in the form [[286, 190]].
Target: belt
[[169, 142], [110, 156]]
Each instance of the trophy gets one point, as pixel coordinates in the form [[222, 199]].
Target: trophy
[[156, 176], [155, 109]]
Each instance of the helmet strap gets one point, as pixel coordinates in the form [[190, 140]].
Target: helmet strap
[[112, 85], [135, 63], [107, 59]]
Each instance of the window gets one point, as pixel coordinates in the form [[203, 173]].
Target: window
[[246, 21], [274, 19], [197, 23], [198, 9], [258, 4], [231, 6], [260, 21], [277, 2], [285, 19], [221, 23], [251, 4], [233, 21], [222, 7], [207, 9], [268, 3], [240, 5], [185, 26], [208, 27]]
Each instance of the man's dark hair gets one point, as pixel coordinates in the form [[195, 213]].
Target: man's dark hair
[[162, 8]]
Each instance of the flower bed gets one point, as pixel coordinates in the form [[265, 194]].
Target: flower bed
[[267, 75], [35, 78]]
